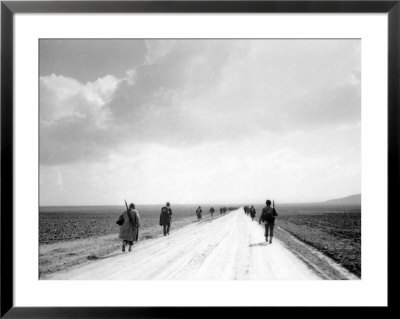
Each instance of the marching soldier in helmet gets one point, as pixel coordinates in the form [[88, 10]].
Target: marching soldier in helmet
[[166, 218], [252, 212], [212, 211], [268, 218], [130, 223], [198, 213]]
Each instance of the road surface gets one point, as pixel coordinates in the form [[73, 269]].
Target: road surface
[[230, 247]]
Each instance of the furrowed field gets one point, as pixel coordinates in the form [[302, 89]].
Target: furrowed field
[[72, 235], [333, 230], [72, 223]]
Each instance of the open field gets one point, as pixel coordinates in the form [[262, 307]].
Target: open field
[[63, 254], [74, 235], [332, 229], [79, 222], [310, 209], [230, 247], [337, 235]]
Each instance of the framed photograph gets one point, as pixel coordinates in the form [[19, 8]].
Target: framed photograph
[[165, 157]]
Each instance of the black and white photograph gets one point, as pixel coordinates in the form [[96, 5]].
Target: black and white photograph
[[199, 159]]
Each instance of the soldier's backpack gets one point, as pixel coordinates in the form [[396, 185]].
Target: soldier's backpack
[[268, 215], [120, 220], [136, 223]]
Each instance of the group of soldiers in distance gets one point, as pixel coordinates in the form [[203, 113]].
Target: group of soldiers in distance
[[267, 217], [199, 212], [250, 211], [130, 221]]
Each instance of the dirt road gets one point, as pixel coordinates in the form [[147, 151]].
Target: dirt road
[[225, 248]]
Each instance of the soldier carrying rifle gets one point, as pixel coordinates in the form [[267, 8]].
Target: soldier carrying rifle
[[130, 223], [268, 218], [166, 218]]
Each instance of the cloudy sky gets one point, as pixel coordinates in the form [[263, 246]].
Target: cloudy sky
[[199, 121]]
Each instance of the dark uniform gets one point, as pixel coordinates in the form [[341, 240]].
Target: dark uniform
[[165, 219], [212, 211], [130, 223], [268, 217], [198, 213], [252, 212]]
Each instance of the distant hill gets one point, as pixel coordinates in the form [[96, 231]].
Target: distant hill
[[349, 200]]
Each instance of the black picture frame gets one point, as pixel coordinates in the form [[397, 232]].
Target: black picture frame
[[9, 8]]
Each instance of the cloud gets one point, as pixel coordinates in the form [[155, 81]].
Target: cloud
[[89, 59], [156, 50], [66, 99], [74, 117], [242, 172], [190, 92]]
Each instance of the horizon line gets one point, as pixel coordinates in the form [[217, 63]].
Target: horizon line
[[218, 204], [206, 204]]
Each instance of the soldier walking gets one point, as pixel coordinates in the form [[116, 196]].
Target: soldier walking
[[166, 218], [198, 213], [130, 223], [268, 218], [212, 211], [252, 212]]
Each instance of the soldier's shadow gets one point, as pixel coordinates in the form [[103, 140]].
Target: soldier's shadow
[[94, 257], [264, 243]]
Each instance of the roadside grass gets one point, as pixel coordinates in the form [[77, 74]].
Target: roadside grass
[[337, 235], [60, 255]]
